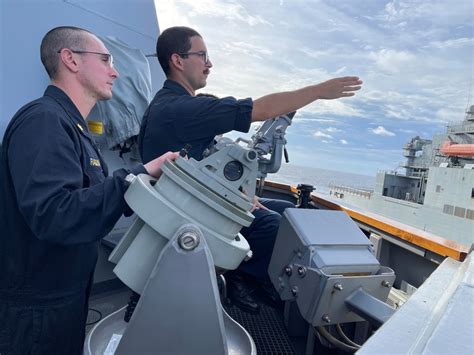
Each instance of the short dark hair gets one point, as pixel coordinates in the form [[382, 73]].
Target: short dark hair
[[173, 40], [57, 39]]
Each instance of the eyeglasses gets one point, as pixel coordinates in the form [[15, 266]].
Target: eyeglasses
[[106, 57], [202, 54]]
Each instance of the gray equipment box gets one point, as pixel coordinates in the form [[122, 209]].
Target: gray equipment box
[[320, 259]]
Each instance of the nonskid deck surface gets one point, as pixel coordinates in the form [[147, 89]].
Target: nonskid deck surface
[[266, 328]]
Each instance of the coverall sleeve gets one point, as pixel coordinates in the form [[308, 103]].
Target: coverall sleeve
[[45, 163], [200, 117]]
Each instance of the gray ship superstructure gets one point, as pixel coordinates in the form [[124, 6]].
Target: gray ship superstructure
[[436, 193]]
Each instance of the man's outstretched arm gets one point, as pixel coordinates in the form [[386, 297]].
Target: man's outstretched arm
[[281, 103]]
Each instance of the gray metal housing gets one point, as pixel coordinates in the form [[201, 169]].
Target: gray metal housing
[[320, 259]]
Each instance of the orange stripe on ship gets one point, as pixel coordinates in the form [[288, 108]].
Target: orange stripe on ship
[[426, 240]]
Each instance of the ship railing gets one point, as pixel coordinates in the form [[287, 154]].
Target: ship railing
[[415, 173], [340, 190]]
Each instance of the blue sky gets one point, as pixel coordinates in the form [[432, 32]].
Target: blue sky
[[415, 57]]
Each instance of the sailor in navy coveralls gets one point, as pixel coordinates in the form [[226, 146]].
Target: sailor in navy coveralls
[[177, 117], [56, 200]]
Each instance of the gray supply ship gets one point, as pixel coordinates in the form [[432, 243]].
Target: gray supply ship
[[436, 193], [351, 280]]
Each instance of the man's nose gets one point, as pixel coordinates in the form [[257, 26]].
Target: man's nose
[[115, 73]]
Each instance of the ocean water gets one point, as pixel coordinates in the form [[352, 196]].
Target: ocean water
[[321, 179]]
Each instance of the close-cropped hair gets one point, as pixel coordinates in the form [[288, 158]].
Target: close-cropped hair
[[173, 40], [57, 39]]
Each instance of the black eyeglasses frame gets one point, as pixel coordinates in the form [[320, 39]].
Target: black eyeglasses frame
[[110, 58], [202, 54]]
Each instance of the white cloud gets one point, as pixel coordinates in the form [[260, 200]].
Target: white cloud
[[392, 61], [169, 14], [335, 107], [229, 11], [318, 120], [452, 43], [391, 9], [449, 115], [319, 134], [343, 141], [409, 131], [411, 107], [381, 131], [340, 70], [184, 12], [247, 49], [415, 57], [325, 120], [315, 54], [333, 130], [430, 12]]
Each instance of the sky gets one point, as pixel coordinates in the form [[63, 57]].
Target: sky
[[415, 58]]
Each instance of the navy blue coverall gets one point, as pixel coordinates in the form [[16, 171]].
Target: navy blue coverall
[[56, 203], [174, 118]]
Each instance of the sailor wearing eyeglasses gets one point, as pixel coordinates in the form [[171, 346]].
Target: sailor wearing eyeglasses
[[57, 200], [176, 118]]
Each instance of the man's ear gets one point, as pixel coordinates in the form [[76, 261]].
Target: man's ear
[[66, 57], [176, 61]]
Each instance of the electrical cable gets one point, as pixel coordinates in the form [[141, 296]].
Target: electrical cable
[[345, 337], [96, 311], [334, 341]]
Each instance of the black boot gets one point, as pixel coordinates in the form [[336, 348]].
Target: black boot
[[241, 293], [269, 294]]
